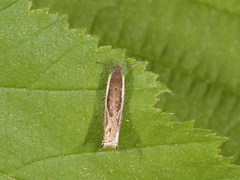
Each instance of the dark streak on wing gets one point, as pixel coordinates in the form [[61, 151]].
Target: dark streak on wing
[[114, 99]]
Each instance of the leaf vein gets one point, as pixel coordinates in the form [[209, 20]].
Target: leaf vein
[[9, 6]]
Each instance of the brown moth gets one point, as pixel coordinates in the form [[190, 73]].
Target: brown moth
[[114, 102]]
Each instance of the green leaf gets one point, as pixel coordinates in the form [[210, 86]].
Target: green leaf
[[52, 113], [193, 45]]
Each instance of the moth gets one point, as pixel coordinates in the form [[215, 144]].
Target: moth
[[114, 103]]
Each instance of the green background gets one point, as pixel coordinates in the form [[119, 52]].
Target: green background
[[192, 44], [51, 112]]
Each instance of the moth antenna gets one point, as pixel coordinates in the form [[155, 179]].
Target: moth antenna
[[105, 64], [133, 64]]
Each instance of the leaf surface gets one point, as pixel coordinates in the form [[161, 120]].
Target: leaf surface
[[192, 44], [52, 113]]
